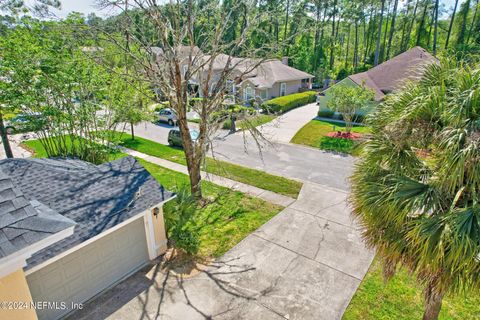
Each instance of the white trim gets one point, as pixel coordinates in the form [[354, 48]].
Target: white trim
[[13, 265], [27, 252], [150, 234], [83, 244]]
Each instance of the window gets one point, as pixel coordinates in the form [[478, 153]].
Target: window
[[248, 94], [264, 94], [230, 86], [283, 88]]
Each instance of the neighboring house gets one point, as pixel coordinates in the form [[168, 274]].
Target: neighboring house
[[271, 78], [70, 229], [390, 75]]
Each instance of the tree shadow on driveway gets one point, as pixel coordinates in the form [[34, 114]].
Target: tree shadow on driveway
[[159, 291]]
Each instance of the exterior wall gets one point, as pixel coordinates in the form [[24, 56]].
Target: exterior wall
[[292, 87], [14, 287]]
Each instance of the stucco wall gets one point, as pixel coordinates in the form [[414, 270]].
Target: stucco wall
[[274, 91], [14, 288], [292, 87]]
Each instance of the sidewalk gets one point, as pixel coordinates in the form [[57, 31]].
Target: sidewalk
[[266, 195]]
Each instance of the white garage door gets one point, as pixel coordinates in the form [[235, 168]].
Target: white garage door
[[84, 273]]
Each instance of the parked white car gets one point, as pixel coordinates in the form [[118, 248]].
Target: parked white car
[[167, 115]]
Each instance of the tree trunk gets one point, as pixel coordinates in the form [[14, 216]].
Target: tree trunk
[[6, 143], [355, 51], [473, 23], [315, 40], [392, 29], [435, 32], [132, 131], [286, 25], [348, 46], [332, 45], [407, 40], [451, 24], [422, 23], [379, 36], [433, 302], [384, 45]]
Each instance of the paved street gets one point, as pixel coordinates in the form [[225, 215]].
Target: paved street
[[305, 263], [285, 159]]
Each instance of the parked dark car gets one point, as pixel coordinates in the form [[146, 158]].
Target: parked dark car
[[175, 137], [25, 123]]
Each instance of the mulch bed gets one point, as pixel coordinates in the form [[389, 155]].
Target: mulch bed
[[344, 135]]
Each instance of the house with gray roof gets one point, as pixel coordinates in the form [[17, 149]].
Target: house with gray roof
[[70, 229], [249, 79]]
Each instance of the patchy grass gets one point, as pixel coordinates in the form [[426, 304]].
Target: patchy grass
[[232, 171], [228, 218], [314, 134], [402, 299]]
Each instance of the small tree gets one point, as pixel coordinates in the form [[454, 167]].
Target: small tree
[[348, 101]]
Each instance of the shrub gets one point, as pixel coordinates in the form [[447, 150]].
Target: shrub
[[180, 221], [227, 124], [291, 101], [326, 113]]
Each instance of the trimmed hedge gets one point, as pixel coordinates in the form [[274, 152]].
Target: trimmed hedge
[[329, 114], [326, 113], [291, 101]]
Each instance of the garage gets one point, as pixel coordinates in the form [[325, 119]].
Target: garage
[[83, 273]]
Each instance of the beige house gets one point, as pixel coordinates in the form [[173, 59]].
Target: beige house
[[248, 79], [70, 230]]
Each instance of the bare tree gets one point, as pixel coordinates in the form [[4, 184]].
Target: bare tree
[[184, 60]]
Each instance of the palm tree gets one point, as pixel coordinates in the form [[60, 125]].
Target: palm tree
[[416, 188]]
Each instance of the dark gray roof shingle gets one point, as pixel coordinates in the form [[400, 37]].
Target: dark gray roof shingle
[[95, 197], [21, 224]]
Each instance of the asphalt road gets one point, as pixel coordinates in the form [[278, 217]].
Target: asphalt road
[[285, 159]]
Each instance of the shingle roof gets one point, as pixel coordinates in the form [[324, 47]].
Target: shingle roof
[[24, 222], [95, 197], [272, 71], [392, 74]]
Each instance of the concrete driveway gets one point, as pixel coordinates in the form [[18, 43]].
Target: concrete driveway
[[305, 263], [283, 128]]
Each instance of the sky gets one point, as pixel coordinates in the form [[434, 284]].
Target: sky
[[87, 6]]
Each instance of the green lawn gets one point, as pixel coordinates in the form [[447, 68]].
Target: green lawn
[[314, 134], [235, 172], [226, 220], [402, 299]]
